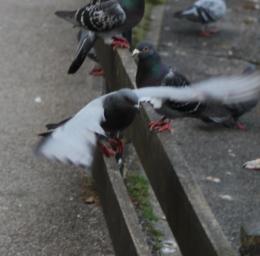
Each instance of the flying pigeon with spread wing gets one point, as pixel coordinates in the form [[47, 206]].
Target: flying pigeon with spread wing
[[98, 123]]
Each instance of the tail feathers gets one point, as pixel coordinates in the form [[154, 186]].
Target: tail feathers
[[178, 14], [85, 44], [68, 16]]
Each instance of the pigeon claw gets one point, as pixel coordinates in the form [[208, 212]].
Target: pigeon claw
[[208, 32], [112, 147], [107, 151], [240, 126], [160, 126], [252, 165], [97, 71], [119, 42]]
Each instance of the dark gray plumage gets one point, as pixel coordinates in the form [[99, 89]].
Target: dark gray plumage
[[151, 71]]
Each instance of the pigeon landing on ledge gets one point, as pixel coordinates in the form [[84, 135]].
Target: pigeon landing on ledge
[[75, 139]]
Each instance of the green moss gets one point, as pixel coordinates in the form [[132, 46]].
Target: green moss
[[138, 188], [140, 31]]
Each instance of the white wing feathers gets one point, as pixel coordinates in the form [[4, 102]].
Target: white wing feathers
[[222, 90], [75, 141]]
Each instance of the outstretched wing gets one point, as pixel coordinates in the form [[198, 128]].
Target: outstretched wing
[[224, 90], [97, 16], [74, 141], [86, 42]]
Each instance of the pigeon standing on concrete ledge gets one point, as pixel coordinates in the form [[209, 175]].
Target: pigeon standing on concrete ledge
[[74, 140], [107, 19], [152, 71], [204, 12]]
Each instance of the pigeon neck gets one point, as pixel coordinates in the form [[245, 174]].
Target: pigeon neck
[[132, 4]]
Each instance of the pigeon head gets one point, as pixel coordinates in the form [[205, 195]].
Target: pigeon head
[[127, 98], [144, 51]]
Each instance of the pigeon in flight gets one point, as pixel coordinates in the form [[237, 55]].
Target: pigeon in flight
[[107, 19], [98, 123], [151, 71], [204, 12]]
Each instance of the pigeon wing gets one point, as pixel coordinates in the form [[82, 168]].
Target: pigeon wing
[[74, 141]]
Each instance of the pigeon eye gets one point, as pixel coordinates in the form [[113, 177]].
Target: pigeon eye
[[145, 49]]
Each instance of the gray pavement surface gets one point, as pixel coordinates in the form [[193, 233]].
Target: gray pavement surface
[[216, 155], [41, 206]]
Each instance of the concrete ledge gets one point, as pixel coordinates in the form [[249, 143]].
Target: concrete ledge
[[119, 212], [189, 216]]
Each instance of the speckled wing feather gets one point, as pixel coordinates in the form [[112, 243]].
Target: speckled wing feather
[[97, 16]]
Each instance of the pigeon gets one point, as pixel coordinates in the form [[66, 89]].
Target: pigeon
[[106, 19], [152, 71], [204, 12], [253, 164], [75, 139]]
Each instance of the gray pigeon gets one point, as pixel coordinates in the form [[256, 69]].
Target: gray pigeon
[[204, 12], [103, 18], [74, 139], [152, 71]]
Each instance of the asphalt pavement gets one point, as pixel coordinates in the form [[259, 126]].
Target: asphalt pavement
[[215, 154], [42, 209]]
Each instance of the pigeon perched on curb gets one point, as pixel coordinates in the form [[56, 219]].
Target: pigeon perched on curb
[[74, 140], [152, 71], [204, 12], [107, 19]]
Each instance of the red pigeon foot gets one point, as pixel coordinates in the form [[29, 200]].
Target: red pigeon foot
[[119, 42], [97, 71], [241, 126], [160, 125]]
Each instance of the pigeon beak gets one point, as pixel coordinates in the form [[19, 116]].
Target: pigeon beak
[[135, 54], [137, 106]]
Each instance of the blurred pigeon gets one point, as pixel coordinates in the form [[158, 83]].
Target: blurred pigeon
[[106, 19], [74, 139], [252, 165], [204, 12], [152, 71]]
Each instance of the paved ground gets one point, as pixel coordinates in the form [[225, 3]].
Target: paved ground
[[41, 210], [234, 194]]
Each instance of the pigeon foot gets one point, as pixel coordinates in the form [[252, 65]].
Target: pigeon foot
[[209, 32], [252, 165], [119, 42], [241, 126], [112, 147], [160, 126], [97, 71]]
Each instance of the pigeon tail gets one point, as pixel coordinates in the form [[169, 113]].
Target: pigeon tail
[[178, 14], [87, 40], [68, 16]]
